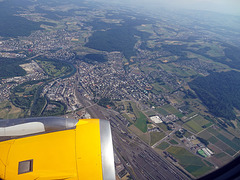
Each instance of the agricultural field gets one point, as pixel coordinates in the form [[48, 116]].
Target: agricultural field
[[173, 142], [163, 146], [141, 119], [179, 71], [226, 143], [201, 121], [156, 136], [171, 110], [226, 138], [162, 111], [221, 159], [193, 126], [193, 164]]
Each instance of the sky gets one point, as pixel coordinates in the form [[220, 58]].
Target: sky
[[222, 6]]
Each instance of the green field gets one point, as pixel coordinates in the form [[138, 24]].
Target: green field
[[157, 87], [143, 136], [220, 155], [197, 124], [9, 111], [212, 140], [201, 121], [162, 111], [187, 134], [213, 131], [172, 68], [171, 110], [233, 144], [208, 163], [230, 151], [163, 146], [225, 147], [156, 136], [208, 136], [163, 126], [146, 28], [172, 141], [127, 117], [141, 122], [193, 126], [150, 113], [193, 164], [55, 68]]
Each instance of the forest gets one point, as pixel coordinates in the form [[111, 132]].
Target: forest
[[220, 92], [10, 67], [10, 22], [91, 58], [121, 38]]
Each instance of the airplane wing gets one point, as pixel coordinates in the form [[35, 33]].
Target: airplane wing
[[56, 148]]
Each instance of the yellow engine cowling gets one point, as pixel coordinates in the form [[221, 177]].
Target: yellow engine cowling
[[56, 148]]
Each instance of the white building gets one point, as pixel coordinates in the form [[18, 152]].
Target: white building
[[156, 119]]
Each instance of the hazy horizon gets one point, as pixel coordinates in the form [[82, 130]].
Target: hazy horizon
[[221, 6]]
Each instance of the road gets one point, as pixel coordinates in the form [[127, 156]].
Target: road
[[141, 161]]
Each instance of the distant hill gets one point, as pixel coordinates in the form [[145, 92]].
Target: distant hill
[[12, 25], [121, 38], [220, 92]]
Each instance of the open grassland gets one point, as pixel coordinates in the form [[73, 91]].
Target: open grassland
[[56, 68], [193, 164], [171, 110], [147, 69], [143, 136], [150, 113], [146, 28], [141, 121], [218, 66], [157, 87], [9, 111], [163, 126], [162, 111], [127, 117], [50, 69], [156, 136]]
